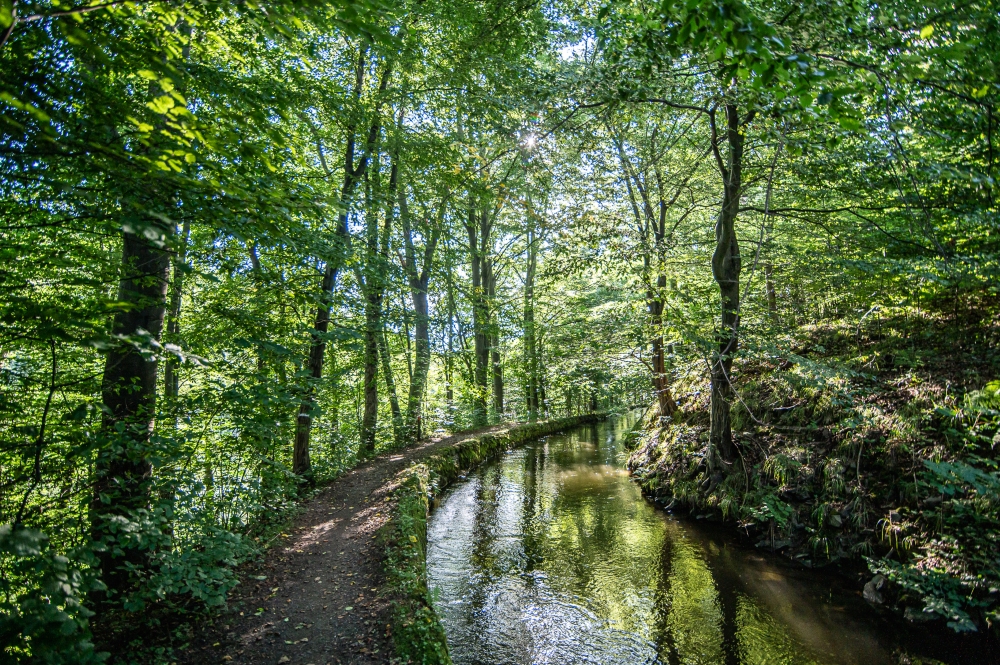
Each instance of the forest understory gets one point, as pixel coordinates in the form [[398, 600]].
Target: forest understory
[[866, 446]]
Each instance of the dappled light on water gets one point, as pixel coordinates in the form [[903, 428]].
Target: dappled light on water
[[551, 555]]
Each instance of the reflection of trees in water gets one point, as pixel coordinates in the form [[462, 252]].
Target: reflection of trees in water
[[762, 640], [694, 617], [559, 509], [720, 621], [599, 541]]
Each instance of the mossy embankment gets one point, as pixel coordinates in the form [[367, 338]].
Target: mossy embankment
[[870, 445], [417, 632]]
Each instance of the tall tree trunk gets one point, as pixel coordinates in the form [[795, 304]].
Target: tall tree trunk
[[772, 299], [543, 404], [373, 320], [353, 173], [726, 267], [390, 387], [171, 380], [661, 380], [418, 277], [496, 362], [171, 377], [530, 356], [122, 471], [317, 350], [449, 361], [652, 230], [480, 315]]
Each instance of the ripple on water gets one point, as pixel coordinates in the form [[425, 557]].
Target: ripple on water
[[550, 555]]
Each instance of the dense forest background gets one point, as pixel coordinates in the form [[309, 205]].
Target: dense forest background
[[247, 244]]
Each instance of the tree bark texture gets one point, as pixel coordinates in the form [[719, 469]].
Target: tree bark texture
[[726, 267], [171, 380], [418, 277], [373, 320], [390, 387], [496, 362], [479, 227], [122, 472], [652, 227], [530, 355]]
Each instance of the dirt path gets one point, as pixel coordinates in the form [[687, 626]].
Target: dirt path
[[318, 599]]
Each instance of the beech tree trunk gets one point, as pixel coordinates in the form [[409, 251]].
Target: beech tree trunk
[[726, 267], [449, 361], [772, 299], [317, 349], [373, 320], [123, 470], [353, 173], [418, 277], [478, 227], [530, 355], [496, 362], [390, 387], [652, 229], [171, 380]]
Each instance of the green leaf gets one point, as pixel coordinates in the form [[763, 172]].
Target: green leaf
[[926, 31], [6, 13]]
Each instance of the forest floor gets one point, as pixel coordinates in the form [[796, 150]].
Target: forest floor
[[314, 599]]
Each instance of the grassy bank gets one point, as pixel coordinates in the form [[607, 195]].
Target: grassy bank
[[417, 632], [871, 445]]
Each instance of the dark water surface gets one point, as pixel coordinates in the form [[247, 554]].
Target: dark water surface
[[551, 555]]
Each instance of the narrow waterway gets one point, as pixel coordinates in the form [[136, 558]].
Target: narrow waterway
[[552, 555]]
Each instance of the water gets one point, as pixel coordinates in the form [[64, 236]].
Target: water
[[551, 555]]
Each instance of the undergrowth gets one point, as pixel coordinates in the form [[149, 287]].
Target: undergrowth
[[876, 445]]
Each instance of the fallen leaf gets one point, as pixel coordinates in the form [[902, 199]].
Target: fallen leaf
[[284, 659]]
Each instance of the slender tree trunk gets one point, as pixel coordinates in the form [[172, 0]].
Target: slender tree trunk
[[530, 356], [317, 350], [661, 380], [353, 173], [449, 362], [122, 473], [390, 387], [406, 339], [496, 361], [419, 278], [726, 267], [772, 299], [543, 404], [480, 319], [422, 355], [171, 380], [369, 421]]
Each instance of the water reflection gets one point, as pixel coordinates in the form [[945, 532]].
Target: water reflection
[[552, 556]]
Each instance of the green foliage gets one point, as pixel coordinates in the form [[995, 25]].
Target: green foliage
[[43, 613], [547, 177]]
